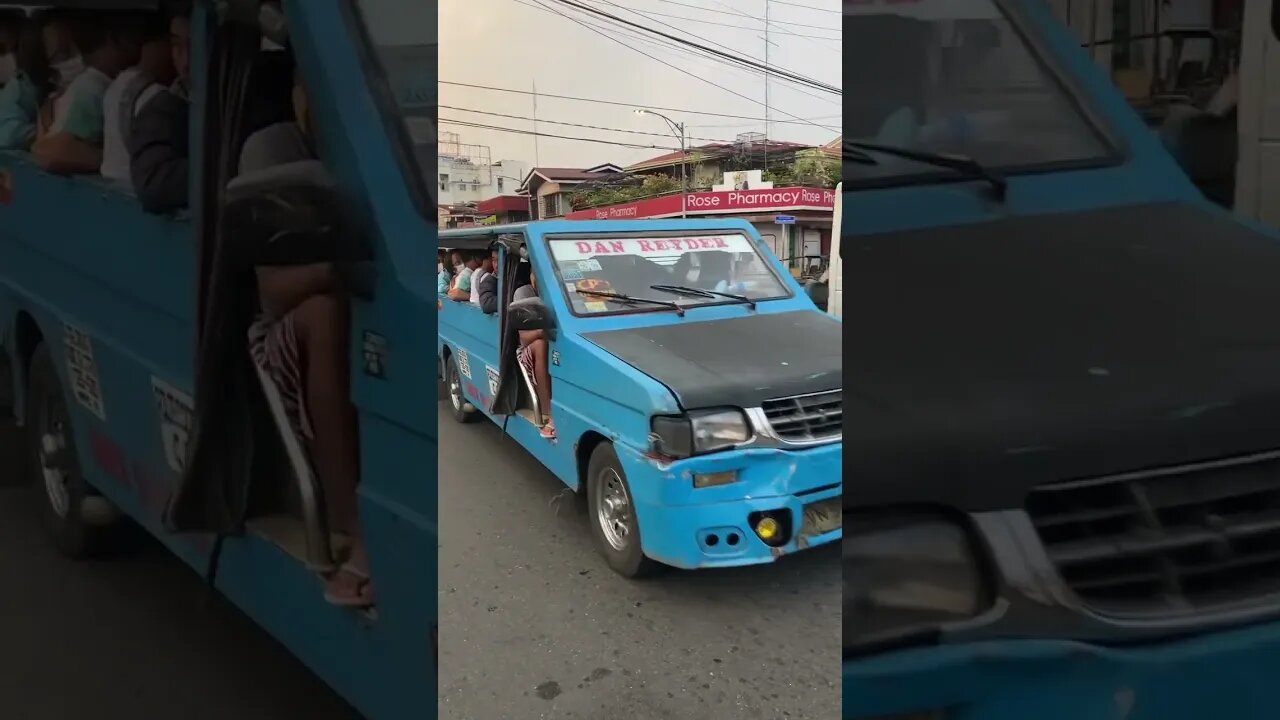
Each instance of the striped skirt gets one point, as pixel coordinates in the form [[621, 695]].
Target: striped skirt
[[275, 348]]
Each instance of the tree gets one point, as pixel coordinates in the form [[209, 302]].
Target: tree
[[650, 186]]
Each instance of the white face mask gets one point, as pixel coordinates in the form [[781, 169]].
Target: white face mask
[[439, 267], [459, 267], [68, 69]]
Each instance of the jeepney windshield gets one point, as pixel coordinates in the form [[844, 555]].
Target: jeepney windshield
[[954, 77], [404, 40], [688, 270]]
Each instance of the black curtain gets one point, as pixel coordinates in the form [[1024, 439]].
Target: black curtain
[[507, 399], [212, 495]]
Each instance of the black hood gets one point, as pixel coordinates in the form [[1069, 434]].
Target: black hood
[[989, 358], [740, 362]]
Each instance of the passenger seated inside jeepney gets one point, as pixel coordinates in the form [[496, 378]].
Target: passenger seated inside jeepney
[[483, 272], [47, 61], [444, 276], [69, 130], [300, 341], [533, 355], [487, 287], [11, 25], [159, 137], [461, 290], [131, 90]]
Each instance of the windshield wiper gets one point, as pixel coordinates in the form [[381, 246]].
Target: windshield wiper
[[618, 297], [960, 163], [699, 292]]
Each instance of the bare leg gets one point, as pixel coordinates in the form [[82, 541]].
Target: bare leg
[[322, 326], [542, 377]]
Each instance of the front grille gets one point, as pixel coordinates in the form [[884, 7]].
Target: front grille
[[806, 418], [1170, 541]]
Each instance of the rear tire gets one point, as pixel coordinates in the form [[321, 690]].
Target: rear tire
[[80, 522], [457, 398], [611, 510]]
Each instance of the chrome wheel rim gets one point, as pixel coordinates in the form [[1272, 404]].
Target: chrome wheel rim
[[455, 389], [613, 510], [53, 445]]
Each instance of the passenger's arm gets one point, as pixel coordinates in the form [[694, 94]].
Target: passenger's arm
[[159, 164], [65, 154], [458, 292], [77, 148], [283, 288]]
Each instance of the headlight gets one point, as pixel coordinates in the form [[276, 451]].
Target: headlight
[[700, 431], [908, 574]]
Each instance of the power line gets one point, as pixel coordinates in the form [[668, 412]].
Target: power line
[[634, 105], [651, 13], [580, 125], [780, 72], [760, 19], [735, 125], [807, 7], [730, 56], [692, 75], [681, 48], [517, 131]]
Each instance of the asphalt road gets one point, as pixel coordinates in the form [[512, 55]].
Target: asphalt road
[[130, 638], [533, 624]]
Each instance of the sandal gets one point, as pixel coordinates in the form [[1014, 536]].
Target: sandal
[[363, 597], [548, 431]]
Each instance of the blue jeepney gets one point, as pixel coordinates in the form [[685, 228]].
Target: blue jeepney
[[695, 388], [1065, 410], [124, 357]]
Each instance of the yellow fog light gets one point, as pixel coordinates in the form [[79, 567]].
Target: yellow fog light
[[704, 480], [767, 528]]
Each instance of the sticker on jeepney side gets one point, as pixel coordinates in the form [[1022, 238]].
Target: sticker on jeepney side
[[176, 411], [82, 370], [464, 364], [493, 380], [375, 355]]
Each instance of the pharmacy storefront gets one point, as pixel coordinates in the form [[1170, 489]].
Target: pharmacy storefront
[[794, 221]]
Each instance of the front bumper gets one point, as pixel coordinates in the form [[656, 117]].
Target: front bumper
[[677, 520], [1227, 674]]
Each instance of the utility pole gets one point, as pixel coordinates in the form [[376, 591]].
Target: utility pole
[[768, 109], [536, 160], [678, 130], [684, 183]]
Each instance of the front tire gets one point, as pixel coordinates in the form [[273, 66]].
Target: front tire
[[80, 522], [458, 402], [611, 511]]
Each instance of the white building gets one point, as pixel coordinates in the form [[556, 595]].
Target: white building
[[466, 174]]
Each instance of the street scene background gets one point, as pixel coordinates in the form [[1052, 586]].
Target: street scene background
[[584, 109]]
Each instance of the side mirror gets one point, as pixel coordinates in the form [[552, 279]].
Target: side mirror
[[294, 214]]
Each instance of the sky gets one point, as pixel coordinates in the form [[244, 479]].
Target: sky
[[514, 43]]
